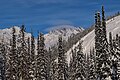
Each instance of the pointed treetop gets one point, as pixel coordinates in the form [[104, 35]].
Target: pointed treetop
[[41, 35], [102, 8], [103, 13], [13, 29], [23, 27], [96, 15], [38, 36]]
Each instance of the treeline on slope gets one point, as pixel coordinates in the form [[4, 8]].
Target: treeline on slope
[[23, 60]]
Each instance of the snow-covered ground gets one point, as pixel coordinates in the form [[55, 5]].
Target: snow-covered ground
[[113, 25]]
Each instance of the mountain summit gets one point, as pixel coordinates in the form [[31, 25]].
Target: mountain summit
[[64, 30]]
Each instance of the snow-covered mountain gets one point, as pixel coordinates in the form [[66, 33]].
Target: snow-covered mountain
[[51, 38], [113, 25], [64, 30], [7, 34]]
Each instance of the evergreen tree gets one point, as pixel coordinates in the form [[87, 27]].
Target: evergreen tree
[[41, 59], [12, 62], [91, 65], [103, 23], [98, 45], [62, 66], [80, 73], [105, 53], [115, 59], [101, 47], [32, 59], [22, 56], [52, 66], [28, 58], [2, 60], [54, 76], [37, 73], [50, 73], [72, 65]]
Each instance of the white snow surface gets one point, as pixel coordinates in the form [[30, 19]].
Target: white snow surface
[[113, 25]]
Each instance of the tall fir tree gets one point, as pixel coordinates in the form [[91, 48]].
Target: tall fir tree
[[101, 47], [105, 52], [62, 66], [116, 60], [91, 65], [80, 73], [32, 59], [104, 23], [114, 57], [2, 60], [28, 58], [98, 45], [12, 62], [41, 60], [72, 65], [22, 58], [54, 71], [38, 60], [50, 73]]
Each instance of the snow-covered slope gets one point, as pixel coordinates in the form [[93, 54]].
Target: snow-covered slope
[[113, 25], [64, 30]]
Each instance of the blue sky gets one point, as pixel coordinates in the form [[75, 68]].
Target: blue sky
[[43, 14]]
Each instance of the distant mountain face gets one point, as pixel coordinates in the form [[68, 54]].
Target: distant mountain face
[[63, 30], [113, 25], [51, 38]]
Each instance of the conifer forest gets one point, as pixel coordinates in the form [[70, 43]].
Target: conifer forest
[[27, 58]]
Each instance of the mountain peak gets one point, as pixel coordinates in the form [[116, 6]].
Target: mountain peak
[[64, 30], [61, 29]]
